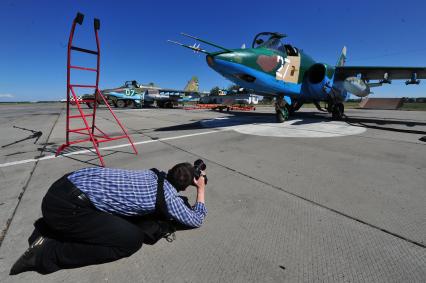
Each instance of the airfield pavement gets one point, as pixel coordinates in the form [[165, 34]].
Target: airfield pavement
[[309, 200]]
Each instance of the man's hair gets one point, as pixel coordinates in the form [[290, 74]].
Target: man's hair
[[181, 176]]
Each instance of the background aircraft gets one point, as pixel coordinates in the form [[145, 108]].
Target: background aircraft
[[274, 68], [132, 94]]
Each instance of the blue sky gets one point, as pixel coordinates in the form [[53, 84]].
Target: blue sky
[[133, 35]]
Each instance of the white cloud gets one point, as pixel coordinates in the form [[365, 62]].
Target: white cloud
[[6, 95]]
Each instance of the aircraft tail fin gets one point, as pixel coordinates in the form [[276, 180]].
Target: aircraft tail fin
[[192, 85], [342, 58]]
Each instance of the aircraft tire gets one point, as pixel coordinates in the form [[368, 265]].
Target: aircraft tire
[[92, 104], [337, 111], [341, 108], [290, 109], [121, 103], [131, 104], [281, 115]]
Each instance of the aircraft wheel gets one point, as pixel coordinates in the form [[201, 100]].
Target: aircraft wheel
[[290, 109], [282, 115], [337, 111], [91, 104], [341, 108], [279, 117], [131, 104], [121, 103]]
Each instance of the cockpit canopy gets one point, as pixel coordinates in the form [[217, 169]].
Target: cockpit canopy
[[272, 40]]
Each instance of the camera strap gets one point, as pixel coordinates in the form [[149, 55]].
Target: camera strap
[[160, 202]]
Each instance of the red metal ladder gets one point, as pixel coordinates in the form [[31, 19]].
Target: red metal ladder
[[87, 130]]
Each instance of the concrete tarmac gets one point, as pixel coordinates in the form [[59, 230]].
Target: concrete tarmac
[[309, 200]]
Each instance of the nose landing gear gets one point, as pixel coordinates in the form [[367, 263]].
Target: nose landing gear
[[281, 110]]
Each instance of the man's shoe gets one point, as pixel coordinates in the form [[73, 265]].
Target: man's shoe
[[27, 262], [34, 236]]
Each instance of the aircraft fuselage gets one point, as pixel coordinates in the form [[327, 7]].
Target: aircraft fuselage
[[269, 72]]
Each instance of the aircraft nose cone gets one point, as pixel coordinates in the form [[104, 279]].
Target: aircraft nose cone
[[210, 60], [216, 61], [220, 63]]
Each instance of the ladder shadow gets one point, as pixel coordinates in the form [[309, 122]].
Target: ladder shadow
[[72, 152]]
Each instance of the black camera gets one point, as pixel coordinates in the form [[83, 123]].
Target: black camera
[[200, 166]]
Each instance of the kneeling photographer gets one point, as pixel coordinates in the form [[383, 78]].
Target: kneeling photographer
[[96, 215]]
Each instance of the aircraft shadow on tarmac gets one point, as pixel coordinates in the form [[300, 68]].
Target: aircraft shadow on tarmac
[[380, 124], [229, 119], [303, 118]]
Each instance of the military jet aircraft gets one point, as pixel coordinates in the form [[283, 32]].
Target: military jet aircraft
[[272, 67], [132, 94]]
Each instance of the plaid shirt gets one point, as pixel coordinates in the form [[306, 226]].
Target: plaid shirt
[[133, 192]]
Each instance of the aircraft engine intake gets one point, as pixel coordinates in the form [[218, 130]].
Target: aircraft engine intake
[[317, 73], [319, 79]]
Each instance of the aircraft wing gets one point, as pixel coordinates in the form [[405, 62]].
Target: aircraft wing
[[380, 73]]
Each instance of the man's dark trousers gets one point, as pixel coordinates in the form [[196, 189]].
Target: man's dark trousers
[[81, 235]]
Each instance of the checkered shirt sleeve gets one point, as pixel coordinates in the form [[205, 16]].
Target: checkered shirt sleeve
[[192, 217]]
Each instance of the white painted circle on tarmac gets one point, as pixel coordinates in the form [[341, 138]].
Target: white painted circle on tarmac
[[297, 128]]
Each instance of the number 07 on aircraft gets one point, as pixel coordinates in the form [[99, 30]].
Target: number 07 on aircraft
[[272, 67]]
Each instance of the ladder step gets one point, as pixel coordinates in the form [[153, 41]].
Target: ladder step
[[83, 68], [79, 116], [79, 141], [112, 139], [80, 129], [88, 86], [84, 50]]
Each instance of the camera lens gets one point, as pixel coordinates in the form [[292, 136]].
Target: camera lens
[[200, 164]]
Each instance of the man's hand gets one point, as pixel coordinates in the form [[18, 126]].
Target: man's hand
[[200, 184]]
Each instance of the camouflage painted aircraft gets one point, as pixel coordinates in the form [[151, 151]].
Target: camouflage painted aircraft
[[132, 94], [274, 68]]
